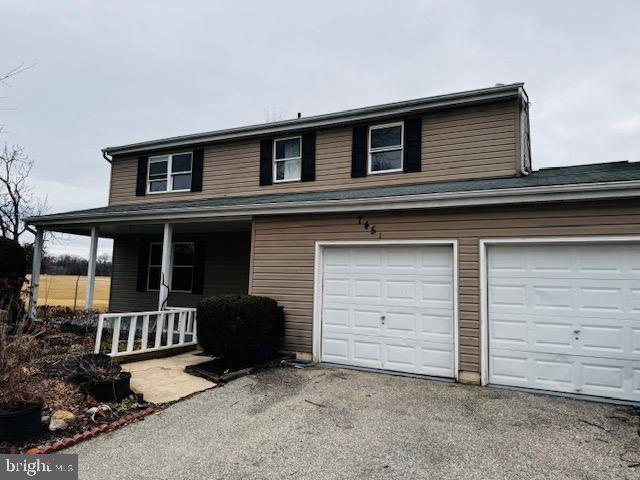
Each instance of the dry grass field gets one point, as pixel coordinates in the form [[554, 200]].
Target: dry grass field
[[60, 291]]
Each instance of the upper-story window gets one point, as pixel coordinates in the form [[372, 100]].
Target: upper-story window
[[287, 159], [170, 173], [385, 148]]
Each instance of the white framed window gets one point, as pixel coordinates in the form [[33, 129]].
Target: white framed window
[[182, 261], [170, 173], [385, 148], [287, 159]]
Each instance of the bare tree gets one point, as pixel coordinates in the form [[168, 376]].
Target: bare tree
[[12, 73], [15, 71], [17, 197]]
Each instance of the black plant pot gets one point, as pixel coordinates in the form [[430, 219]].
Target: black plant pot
[[111, 391], [21, 424]]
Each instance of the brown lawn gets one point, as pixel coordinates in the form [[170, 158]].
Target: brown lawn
[[60, 291]]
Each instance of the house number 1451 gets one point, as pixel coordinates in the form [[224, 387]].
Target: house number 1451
[[367, 226]]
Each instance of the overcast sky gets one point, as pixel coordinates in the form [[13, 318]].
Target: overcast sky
[[109, 73]]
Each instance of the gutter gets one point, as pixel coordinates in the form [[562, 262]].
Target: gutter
[[422, 105], [517, 195]]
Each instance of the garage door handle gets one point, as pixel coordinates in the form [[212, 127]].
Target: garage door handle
[[576, 332], [382, 319]]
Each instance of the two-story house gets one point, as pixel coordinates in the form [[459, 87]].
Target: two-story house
[[411, 237]]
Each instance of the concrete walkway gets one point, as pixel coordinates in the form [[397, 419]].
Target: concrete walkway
[[331, 424], [163, 380]]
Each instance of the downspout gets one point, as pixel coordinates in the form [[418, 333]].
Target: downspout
[[104, 155]]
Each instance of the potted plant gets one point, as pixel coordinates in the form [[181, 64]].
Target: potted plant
[[101, 377], [20, 408]]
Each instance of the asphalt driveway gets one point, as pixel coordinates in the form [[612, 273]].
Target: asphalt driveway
[[331, 423]]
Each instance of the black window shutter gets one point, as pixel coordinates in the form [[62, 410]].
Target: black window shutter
[[412, 145], [143, 266], [197, 168], [266, 162], [359, 152], [199, 254], [141, 181], [308, 157]]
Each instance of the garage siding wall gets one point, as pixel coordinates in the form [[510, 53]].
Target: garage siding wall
[[283, 259], [457, 144], [226, 271]]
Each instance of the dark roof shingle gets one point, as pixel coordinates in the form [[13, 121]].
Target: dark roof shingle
[[581, 174]]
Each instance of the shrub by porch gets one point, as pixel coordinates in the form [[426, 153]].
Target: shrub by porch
[[241, 329]]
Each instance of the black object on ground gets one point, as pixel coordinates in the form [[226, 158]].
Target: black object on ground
[[21, 424], [112, 391], [298, 363], [218, 371]]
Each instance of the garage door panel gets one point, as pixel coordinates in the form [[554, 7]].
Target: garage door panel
[[336, 288], [367, 352], [367, 289], [565, 318], [508, 367], [419, 358], [635, 340], [401, 323], [394, 308], [509, 331], [365, 257], [336, 317], [578, 257], [507, 296], [437, 360], [436, 325], [570, 316], [634, 300], [366, 320], [335, 258], [554, 371], [335, 349], [402, 290], [555, 334], [402, 258], [438, 291], [602, 340], [551, 297]]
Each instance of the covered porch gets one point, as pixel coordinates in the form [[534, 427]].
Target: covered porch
[[161, 269]]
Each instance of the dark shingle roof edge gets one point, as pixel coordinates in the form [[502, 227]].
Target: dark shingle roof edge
[[330, 119], [604, 176]]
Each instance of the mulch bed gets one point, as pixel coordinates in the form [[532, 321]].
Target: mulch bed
[[58, 345], [66, 442]]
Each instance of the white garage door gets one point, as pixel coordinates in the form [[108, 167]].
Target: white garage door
[[389, 308], [566, 318]]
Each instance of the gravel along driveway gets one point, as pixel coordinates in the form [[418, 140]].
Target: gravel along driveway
[[330, 423]]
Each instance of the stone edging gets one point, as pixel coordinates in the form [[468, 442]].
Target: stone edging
[[80, 437]]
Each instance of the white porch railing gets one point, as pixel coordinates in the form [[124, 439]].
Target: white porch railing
[[147, 331]]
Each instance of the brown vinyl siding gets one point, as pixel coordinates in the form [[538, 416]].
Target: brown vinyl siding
[[283, 257], [226, 272], [457, 144]]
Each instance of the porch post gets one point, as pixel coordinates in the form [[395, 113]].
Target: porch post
[[91, 269], [165, 271], [35, 272]]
